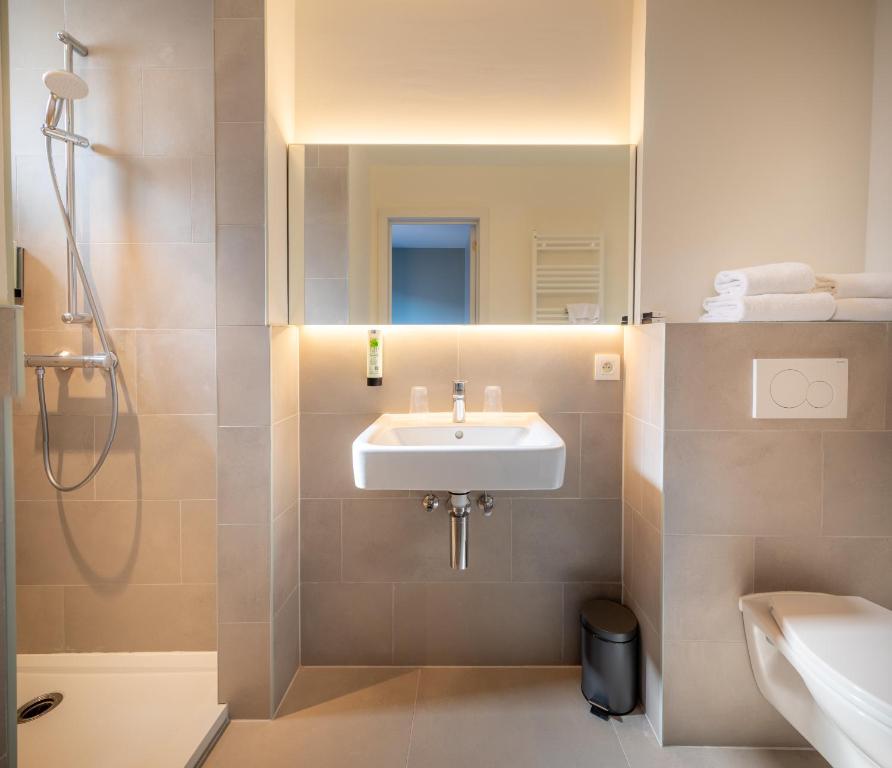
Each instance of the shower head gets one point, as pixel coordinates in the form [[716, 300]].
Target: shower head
[[62, 85]]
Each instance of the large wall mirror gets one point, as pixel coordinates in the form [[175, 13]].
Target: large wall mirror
[[414, 234]]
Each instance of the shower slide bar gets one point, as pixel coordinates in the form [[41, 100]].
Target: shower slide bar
[[71, 46]]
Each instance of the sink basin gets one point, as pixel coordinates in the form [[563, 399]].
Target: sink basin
[[488, 451]]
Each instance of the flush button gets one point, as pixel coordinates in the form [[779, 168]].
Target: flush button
[[820, 394], [800, 388], [789, 388]]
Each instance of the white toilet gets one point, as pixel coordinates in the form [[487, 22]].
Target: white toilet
[[825, 663]]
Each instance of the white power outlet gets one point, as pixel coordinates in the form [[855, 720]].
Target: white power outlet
[[606, 367]]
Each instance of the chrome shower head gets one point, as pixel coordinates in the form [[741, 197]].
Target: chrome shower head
[[62, 85]]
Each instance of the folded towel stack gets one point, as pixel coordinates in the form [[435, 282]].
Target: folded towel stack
[[771, 292], [860, 296]]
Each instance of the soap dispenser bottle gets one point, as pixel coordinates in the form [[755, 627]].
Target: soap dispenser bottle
[[374, 359]]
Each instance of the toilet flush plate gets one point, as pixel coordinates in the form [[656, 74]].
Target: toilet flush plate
[[800, 388]]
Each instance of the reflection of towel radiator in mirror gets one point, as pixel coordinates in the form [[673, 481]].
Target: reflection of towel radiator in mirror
[[566, 270]]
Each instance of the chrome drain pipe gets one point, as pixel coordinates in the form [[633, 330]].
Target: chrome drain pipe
[[459, 513]]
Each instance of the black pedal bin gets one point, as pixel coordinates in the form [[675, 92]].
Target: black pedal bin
[[610, 647]]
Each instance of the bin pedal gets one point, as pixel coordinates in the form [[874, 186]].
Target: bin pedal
[[598, 711]]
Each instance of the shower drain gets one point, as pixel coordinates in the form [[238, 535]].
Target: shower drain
[[38, 706]]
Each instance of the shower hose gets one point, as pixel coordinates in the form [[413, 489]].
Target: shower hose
[[103, 340]]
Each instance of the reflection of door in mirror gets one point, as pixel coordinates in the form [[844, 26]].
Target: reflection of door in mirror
[[432, 271]]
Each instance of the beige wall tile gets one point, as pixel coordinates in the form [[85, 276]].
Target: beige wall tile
[[346, 624], [628, 545], [465, 623], [844, 566], [653, 450], [543, 370], [325, 457], [171, 33], [709, 371], [176, 617], [320, 540], [177, 372], [134, 283], [709, 671], [134, 200], [857, 483], [245, 686], [285, 371], [43, 239], [333, 155], [198, 524], [71, 455], [178, 111], [633, 459], [333, 369], [644, 360], [575, 596], [646, 571], [566, 540], [650, 675], [203, 202], [159, 457], [286, 464], [241, 276], [238, 9], [243, 372], [243, 572], [79, 391], [30, 46], [704, 576], [326, 301], [39, 620], [28, 93], [602, 446], [286, 556], [110, 118], [240, 187], [286, 646], [325, 222], [396, 540], [238, 67], [98, 542], [743, 482], [244, 482]]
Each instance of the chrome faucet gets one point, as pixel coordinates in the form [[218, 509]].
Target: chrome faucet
[[458, 401]]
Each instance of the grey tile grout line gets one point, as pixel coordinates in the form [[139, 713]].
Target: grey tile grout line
[[414, 712], [619, 741]]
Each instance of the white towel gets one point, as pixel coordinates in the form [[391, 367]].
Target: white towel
[[786, 277], [863, 309], [773, 307], [583, 314], [858, 285]]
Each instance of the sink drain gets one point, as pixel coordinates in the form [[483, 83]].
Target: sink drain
[[38, 706]]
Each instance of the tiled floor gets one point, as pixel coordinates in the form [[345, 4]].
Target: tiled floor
[[382, 717]]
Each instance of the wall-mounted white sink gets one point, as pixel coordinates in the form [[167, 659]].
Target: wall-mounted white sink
[[488, 451]]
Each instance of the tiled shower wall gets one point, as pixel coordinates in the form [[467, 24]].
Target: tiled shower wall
[[376, 585], [128, 562], [763, 505], [644, 363]]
